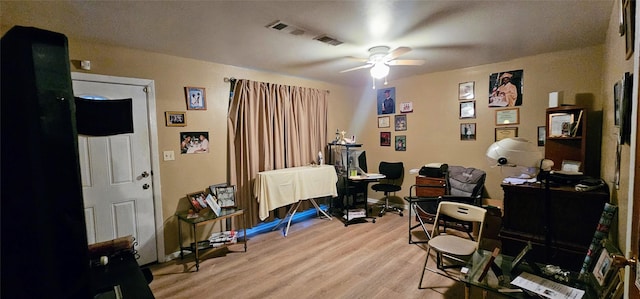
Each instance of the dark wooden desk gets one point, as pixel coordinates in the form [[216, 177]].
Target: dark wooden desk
[[123, 271], [571, 221]]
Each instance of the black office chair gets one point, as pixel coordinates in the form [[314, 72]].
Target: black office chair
[[390, 184]]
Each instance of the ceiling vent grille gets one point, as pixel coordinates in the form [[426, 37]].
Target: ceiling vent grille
[[283, 27], [328, 40]]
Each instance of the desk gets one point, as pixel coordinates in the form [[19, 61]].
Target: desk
[[207, 217], [281, 187], [122, 271], [571, 221], [492, 284]]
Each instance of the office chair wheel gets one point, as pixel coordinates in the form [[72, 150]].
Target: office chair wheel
[[400, 213], [373, 220]]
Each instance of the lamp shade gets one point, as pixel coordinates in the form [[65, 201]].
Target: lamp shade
[[379, 70], [517, 153]]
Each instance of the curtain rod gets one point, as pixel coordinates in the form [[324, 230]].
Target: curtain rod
[[229, 79]]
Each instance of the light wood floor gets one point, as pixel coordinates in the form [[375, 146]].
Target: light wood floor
[[319, 258]]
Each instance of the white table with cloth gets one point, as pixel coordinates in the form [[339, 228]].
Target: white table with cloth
[[281, 187]]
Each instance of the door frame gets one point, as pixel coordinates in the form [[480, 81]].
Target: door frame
[[153, 143]]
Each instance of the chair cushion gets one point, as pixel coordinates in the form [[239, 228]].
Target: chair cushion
[[466, 181], [386, 187], [453, 244]]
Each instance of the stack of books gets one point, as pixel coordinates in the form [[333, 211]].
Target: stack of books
[[220, 238], [355, 213]]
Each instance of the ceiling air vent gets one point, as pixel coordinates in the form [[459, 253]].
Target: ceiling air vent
[[277, 25], [328, 40]]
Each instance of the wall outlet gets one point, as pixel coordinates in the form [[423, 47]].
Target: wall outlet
[[169, 156]]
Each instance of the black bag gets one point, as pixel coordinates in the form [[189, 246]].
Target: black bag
[[434, 170]]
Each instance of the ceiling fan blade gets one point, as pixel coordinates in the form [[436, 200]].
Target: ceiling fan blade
[[406, 62], [396, 53], [357, 68]]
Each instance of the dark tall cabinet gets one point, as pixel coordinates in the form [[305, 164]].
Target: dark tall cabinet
[[44, 243]]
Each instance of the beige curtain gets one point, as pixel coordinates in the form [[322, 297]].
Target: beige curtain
[[272, 126]]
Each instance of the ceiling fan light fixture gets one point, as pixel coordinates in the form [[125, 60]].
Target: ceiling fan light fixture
[[379, 70]]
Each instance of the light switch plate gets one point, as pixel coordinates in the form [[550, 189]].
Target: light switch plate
[[168, 156]]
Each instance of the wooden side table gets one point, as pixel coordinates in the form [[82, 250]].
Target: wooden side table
[[207, 217]]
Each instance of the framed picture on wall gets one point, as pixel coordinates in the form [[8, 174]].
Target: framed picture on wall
[[385, 138], [401, 122], [507, 116], [401, 143], [506, 132], [466, 91], [468, 109], [542, 132], [383, 122], [196, 98], [468, 131], [175, 118]]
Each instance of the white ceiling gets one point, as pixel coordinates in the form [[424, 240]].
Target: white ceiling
[[446, 34]]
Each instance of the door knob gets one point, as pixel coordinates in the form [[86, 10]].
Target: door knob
[[145, 174], [145, 186], [621, 261]]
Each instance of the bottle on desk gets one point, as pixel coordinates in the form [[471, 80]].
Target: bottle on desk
[[352, 169]]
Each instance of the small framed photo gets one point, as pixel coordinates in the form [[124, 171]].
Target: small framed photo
[[383, 122], [507, 116], [466, 91], [194, 142], [213, 204], [617, 96], [196, 98], [468, 109], [401, 122], [468, 131], [197, 200], [602, 269], [226, 196], [212, 188], [385, 138], [542, 135], [175, 118], [506, 132], [406, 107], [401, 143]]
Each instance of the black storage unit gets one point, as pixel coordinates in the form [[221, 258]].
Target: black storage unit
[[44, 241]]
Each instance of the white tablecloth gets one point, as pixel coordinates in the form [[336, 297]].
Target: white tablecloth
[[281, 187]]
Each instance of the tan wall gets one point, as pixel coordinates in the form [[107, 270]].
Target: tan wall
[[195, 172], [615, 65], [434, 126]]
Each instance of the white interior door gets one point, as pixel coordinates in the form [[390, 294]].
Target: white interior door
[[116, 174]]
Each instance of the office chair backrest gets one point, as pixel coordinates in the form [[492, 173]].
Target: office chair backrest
[[462, 212], [391, 170]]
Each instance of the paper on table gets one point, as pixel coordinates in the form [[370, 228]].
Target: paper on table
[[546, 288]]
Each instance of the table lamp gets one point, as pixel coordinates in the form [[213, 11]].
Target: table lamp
[[517, 157]]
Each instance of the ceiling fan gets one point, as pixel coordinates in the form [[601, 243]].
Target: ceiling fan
[[380, 58]]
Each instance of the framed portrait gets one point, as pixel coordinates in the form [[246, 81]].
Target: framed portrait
[[194, 142], [226, 196], [401, 143], [506, 132], [629, 20], [175, 118], [617, 97], [507, 116], [468, 131], [466, 91], [197, 200], [506, 89], [385, 138], [468, 109], [625, 108], [542, 135], [386, 100], [401, 122], [383, 122], [406, 107], [196, 98]]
